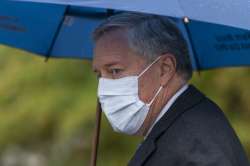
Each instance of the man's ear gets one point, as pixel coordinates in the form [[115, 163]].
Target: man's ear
[[168, 68]]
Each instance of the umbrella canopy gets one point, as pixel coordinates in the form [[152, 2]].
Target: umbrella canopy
[[217, 37]]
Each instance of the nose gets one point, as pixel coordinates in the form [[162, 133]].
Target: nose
[[105, 74]]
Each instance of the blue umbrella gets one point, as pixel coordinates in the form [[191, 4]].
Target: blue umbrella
[[217, 37]]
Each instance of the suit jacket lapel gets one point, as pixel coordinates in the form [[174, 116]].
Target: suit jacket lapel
[[142, 153], [184, 102]]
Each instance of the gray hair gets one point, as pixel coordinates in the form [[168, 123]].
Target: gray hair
[[150, 36]]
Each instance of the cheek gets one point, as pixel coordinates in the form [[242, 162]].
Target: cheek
[[148, 86]]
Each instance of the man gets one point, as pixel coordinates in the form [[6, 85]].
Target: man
[[143, 66]]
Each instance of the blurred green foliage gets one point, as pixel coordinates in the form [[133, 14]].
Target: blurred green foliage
[[49, 109]]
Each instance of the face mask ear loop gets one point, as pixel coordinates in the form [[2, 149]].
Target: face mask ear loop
[[159, 90], [149, 66]]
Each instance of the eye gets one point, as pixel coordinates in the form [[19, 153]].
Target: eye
[[114, 72]]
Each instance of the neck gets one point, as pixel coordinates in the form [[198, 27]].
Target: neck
[[164, 96]]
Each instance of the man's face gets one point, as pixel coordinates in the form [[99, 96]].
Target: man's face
[[114, 59]]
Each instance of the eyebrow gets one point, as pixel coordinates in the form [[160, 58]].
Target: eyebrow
[[112, 64], [106, 65]]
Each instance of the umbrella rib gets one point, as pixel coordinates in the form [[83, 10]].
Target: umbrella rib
[[48, 55], [186, 21]]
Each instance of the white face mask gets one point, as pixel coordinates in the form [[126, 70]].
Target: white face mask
[[121, 104]]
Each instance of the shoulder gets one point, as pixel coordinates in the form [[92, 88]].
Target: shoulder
[[204, 120], [202, 134], [203, 117]]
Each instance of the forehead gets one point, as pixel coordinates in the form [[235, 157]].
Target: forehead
[[113, 47]]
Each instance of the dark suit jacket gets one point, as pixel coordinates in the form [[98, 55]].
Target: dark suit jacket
[[194, 132]]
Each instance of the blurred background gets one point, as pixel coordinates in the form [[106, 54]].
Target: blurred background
[[47, 111]]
